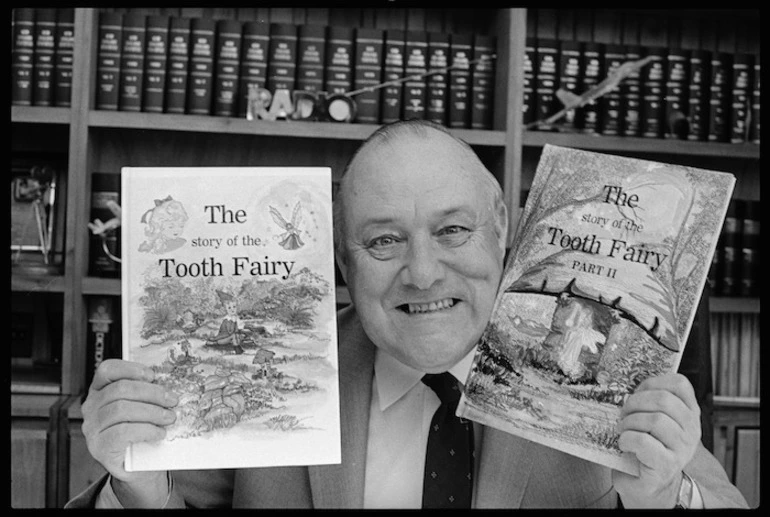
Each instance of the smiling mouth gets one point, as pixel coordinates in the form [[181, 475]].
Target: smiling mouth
[[422, 308]]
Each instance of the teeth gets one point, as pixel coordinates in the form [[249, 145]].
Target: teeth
[[430, 307]]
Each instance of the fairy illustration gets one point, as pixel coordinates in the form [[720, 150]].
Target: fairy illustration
[[290, 239], [165, 223]]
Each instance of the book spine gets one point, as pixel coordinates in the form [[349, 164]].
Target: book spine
[[339, 60], [108, 60], [593, 72], [416, 64], [253, 73], [282, 57], [545, 77], [569, 76], [65, 41], [755, 103], [45, 52], [742, 80], [652, 93], [22, 56], [528, 89], [311, 57], [719, 107], [483, 84], [199, 86], [748, 284], [630, 94], [105, 187], [460, 46], [368, 72], [677, 89], [178, 65], [746, 356], [391, 96], [438, 59], [156, 57], [228, 58], [731, 247], [610, 104], [132, 56], [700, 63]]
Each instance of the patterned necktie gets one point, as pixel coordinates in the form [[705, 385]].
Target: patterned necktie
[[448, 478]]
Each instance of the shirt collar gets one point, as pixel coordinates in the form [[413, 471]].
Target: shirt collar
[[394, 379]]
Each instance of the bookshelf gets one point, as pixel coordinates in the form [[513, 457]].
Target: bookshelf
[[103, 141]]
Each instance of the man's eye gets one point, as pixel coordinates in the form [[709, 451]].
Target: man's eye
[[382, 242], [453, 230]]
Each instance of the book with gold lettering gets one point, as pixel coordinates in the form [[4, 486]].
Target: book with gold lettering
[[228, 295], [599, 293]]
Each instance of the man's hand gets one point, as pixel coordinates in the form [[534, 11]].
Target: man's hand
[[660, 423], [123, 407]]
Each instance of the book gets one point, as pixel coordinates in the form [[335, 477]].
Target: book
[[132, 57], [610, 105], [311, 57], [740, 95], [528, 87], [437, 87], [460, 47], [201, 75], [546, 77], [108, 60], [755, 103], [22, 56], [569, 77], [44, 56], [719, 97], [338, 77], [630, 94], [105, 189], [675, 97], [748, 281], [228, 60], [748, 358], [282, 57], [228, 295], [599, 292], [155, 63], [393, 70], [65, 41], [651, 108], [483, 81], [698, 98], [416, 65], [593, 72], [253, 73], [178, 65], [731, 235], [368, 63]]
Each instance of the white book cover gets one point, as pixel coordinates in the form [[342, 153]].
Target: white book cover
[[228, 294]]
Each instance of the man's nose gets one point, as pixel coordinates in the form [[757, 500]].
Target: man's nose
[[423, 266]]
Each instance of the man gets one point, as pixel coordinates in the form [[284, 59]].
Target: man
[[420, 234]]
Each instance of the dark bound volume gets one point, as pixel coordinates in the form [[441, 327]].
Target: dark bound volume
[[228, 59], [253, 72], [546, 71], [108, 60], [569, 79], [282, 57], [200, 82], [417, 65], [460, 48], [593, 73], [65, 41], [755, 104], [698, 107], [610, 104], [675, 99], [438, 59], [719, 97], [132, 55], [630, 95], [105, 187], [742, 81], [311, 52], [45, 51], [22, 56], [528, 102], [178, 64], [156, 57], [393, 70], [749, 258], [653, 84], [731, 234], [368, 72], [483, 82], [339, 60]]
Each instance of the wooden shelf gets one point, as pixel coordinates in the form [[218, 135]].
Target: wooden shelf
[[40, 115], [742, 305], [736, 402], [101, 286]]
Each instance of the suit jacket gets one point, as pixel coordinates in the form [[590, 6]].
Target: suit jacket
[[513, 472]]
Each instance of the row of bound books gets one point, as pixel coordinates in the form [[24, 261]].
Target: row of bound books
[[735, 345], [683, 94], [735, 267], [42, 43], [168, 64]]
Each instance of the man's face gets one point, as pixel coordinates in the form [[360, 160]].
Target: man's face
[[424, 253]]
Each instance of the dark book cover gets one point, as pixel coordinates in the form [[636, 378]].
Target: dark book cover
[[311, 57], [338, 76], [393, 70], [461, 52], [282, 57], [155, 63], [731, 234], [719, 97], [132, 57], [630, 96], [416, 66], [201, 80], [653, 78], [253, 73], [528, 89], [108, 60], [483, 82], [755, 104], [65, 41], [438, 81], [105, 188], [676, 94], [178, 65], [748, 284], [546, 77], [45, 51], [369, 60], [740, 94], [569, 77], [610, 105], [592, 74], [22, 56], [228, 60], [698, 99]]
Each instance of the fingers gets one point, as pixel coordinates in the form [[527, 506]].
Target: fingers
[[125, 411], [675, 383], [650, 452], [111, 370]]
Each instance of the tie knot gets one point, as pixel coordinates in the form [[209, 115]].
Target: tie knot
[[445, 386]]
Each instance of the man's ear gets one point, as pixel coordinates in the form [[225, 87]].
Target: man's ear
[[501, 226]]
